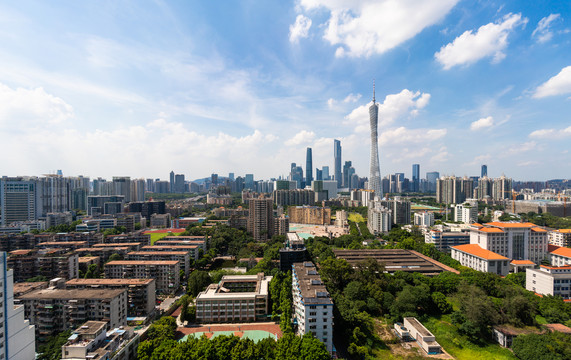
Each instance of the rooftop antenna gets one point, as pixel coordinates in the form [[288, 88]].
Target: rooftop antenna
[[373, 91]]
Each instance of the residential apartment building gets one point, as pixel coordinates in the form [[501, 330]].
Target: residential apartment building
[[17, 336], [55, 310], [236, 298], [50, 263], [296, 197], [549, 280], [517, 241], [379, 219], [193, 250], [141, 293], [92, 341], [425, 218], [466, 213], [166, 273], [103, 253], [560, 237], [313, 308], [309, 215], [444, 240], [474, 257], [182, 256]]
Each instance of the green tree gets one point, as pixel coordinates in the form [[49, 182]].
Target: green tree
[[92, 272], [115, 257], [197, 281], [52, 349]]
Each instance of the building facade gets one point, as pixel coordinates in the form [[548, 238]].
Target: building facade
[[166, 273], [474, 257], [312, 305], [549, 280]]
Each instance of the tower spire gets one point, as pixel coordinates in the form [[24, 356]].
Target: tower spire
[[373, 91]]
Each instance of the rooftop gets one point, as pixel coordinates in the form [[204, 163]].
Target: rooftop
[[118, 244], [311, 287], [143, 262], [562, 251], [558, 327], [109, 282], [476, 250], [219, 291], [65, 294], [90, 327], [491, 230], [563, 231], [522, 262], [503, 224], [149, 253]]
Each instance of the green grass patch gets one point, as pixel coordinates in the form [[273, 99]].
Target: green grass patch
[[458, 345], [540, 320], [356, 217]]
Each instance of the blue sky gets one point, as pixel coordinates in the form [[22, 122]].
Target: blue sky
[[139, 88]]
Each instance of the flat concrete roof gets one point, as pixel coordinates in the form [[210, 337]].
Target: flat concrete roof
[[66, 294], [118, 282], [312, 289]]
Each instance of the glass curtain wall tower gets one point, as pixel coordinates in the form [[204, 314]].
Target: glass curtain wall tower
[[337, 157], [375, 171], [308, 168]]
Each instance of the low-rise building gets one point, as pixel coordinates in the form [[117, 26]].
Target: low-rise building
[[312, 305], [549, 280], [92, 341], [103, 253], [422, 336], [236, 298], [166, 273], [444, 240], [55, 310], [160, 220], [141, 293], [474, 257], [133, 246], [561, 256]]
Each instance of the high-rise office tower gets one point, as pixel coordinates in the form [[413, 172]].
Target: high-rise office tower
[[337, 157], [249, 181], [318, 174], [346, 173], [231, 176], [415, 177], [21, 200], [171, 181], [325, 173], [308, 167], [122, 186], [296, 175], [484, 170], [375, 170]]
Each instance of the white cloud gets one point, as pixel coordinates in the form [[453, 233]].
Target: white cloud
[[330, 102], [551, 133], [521, 148], [482, 123], [352, 98], [489, 41], [366, 27], [31, 107], [543, 32], [402, 135], [302, 137], [557, 85], [300, 29], [441, 156], [395, 106]]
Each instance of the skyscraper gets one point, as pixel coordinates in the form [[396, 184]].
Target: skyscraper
[[171, 182], [484, 170], [20, 200], [415, 177], [308, 167], [337, 156], [325, 173], [375, 171]]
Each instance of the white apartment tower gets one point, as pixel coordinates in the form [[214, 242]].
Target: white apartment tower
[[17, 336]]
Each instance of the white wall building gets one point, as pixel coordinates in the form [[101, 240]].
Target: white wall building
[[313, 308], [380, 219], [17, 336], [560, 237], [466, 213], [422, 336], [560, 257], [425, 218], [474, 257], [517, 241], [549, 280]]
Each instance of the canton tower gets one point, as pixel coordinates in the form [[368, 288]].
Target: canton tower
[[375, 171]]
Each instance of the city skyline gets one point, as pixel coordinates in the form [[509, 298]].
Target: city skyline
[[140, 89]]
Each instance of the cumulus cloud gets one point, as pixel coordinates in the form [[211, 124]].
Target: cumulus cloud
[[299, 29], [482, 123], [302, 137], [394, 106], [489, 40], [30, 107], [521, 148], [542, 32], [352, 98], [366, 27], [403, 135], [551, 133], [557, 85]]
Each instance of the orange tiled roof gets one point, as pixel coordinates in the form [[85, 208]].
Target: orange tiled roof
[[511, 224], [563, 231], [477, 224], [490, 230], [476, 250], [522, 262], [562, 251], [552, 248], [538, 229]]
